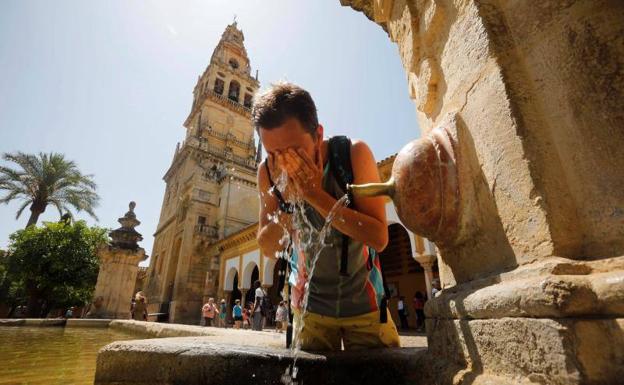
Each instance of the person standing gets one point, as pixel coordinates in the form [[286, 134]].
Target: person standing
[[247, 316], [436, 287], [318, 170], [222, 314], [403, 313], [139, 311], [257, 308], [419, 306], [281, 317], [237, 313], [209, 310]]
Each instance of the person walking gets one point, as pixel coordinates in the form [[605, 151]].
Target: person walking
[[209, 310], [222, 314], [258, 316], [403, 313], [237, 313]]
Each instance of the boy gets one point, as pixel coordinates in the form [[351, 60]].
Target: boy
[[346, 290], [237, 313]]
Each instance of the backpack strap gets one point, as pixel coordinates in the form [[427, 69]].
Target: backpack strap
[[340, 166]]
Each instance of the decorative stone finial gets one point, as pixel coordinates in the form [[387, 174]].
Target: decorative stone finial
[[126, 237]]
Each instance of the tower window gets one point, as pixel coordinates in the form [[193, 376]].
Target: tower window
[[247, 102], [219, 86], [233, 63], [234, 90]]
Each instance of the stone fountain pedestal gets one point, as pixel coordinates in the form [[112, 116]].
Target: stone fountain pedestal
[[119, 266], [196, 360]]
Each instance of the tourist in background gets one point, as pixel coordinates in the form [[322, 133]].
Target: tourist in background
[[281, 317], [258, 316], [436, 287], [237, 313], [247, 316], [403, 313], [419, 309], [222, 314], [139, 310], [209, 311]]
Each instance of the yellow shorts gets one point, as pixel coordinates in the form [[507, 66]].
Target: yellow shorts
[[360, 332]]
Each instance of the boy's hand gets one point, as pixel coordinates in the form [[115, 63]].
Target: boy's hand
[[305, 175]]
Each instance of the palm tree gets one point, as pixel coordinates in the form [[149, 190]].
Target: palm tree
[[47, 179]]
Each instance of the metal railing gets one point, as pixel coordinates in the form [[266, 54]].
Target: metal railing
[[207, 230]]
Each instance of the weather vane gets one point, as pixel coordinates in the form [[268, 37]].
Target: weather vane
[[234, 18]]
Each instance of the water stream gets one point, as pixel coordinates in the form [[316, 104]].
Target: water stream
[[313, 241]]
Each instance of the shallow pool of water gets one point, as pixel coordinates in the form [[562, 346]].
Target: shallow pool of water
[[52, 355]]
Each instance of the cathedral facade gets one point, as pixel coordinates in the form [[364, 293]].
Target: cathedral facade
[[211, 188]]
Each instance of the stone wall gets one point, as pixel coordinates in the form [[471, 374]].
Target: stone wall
[[530, 95]]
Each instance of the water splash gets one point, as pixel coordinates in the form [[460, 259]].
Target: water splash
[[315, 240]]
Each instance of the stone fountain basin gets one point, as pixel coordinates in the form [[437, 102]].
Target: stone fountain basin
[[197, 360]]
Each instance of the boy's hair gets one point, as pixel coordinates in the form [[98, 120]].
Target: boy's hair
[[237, 301], [282, 101]]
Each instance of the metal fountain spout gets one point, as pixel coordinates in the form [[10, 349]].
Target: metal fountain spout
[[424, 186]]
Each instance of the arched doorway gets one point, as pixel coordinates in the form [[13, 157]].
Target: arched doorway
[[404, 276], [236, 293], [251, 293]]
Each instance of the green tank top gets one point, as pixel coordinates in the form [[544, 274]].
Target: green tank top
[[332, 294]]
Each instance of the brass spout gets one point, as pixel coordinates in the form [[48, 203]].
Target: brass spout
[[372, 189]]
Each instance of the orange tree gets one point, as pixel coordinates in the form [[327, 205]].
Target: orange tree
[[55, 265]]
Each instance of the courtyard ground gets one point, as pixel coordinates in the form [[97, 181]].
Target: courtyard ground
[[267, 337]]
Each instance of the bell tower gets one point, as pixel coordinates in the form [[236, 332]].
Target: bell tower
[[211, 183]]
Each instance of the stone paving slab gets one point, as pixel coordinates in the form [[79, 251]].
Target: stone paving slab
[[199, 360]]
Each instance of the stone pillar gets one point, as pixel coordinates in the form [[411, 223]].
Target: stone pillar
[[521, 183], [243, 295], [228, 299], [119, 265]]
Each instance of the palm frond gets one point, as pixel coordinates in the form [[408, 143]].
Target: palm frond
[[48, 178], [22, 207]]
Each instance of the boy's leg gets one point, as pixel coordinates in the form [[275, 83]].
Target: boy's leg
[[366, 332], [319, 333]]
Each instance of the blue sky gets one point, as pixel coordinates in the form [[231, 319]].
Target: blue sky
[[109, 84]]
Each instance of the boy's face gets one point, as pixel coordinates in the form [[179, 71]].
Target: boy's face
[[291, 134]]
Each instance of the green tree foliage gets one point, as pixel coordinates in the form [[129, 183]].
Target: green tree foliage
[[46, 179], [55, 264]]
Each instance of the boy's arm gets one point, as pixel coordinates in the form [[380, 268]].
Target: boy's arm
[[366, 222], [269, 232]]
